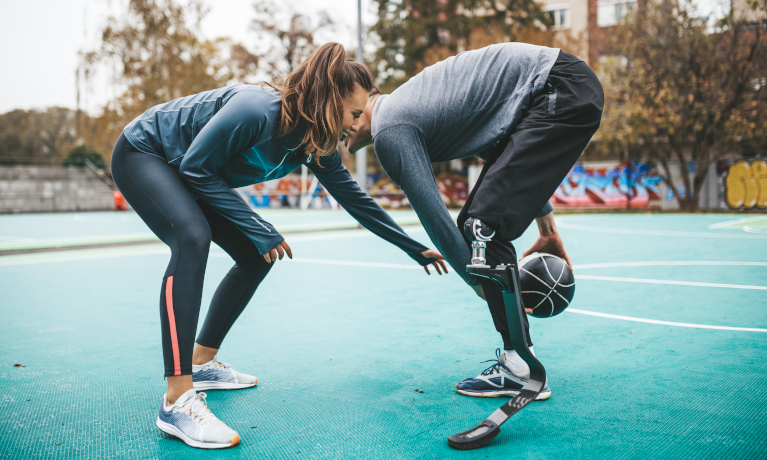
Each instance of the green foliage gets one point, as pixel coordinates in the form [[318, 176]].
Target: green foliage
[[417, 33], [79, 154], [36, 137], [684, 89], [156, 46]]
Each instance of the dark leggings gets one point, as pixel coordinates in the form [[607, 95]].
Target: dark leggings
[[522, 173], [158, 195]]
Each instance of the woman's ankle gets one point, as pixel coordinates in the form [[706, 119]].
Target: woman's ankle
[[203, 354], [177, 386]]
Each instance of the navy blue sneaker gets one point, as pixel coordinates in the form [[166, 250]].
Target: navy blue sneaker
[[498, 380]]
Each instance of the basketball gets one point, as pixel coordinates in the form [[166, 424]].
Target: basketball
[[547, 284]]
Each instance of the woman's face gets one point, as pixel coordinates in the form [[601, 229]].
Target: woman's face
[[354, 105]]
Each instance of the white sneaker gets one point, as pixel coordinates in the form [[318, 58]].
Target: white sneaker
[[190, 420], [215, 375]]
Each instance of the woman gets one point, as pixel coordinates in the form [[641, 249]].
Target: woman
[[176, 165]]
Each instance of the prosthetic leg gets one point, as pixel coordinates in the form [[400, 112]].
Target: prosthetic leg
[[505, 276]]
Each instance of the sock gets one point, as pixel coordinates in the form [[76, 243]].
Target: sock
[[196, 368], [516, 364], [180, 401]]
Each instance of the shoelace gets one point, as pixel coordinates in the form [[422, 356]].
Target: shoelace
[[497, 366], [197, 409], [220, 364]]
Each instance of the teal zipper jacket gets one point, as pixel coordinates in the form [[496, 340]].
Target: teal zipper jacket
[[228, 138]]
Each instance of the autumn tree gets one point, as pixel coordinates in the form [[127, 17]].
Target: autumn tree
[[159, 54], [684, 89], [36, 137], [286, 36], [416, 33]]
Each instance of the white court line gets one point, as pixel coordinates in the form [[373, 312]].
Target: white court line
[[736, 221], [83, 257], [665, 323], [677, 283], [761, 230], [412, 267], [628, 231], [670, 263]]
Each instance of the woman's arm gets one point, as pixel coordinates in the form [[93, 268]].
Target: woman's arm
[[337, 180], [237, 126]]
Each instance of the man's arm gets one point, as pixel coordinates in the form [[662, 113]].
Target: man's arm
[[339, 183], [402, 153]]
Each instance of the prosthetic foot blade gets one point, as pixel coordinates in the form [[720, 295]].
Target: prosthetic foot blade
[[475, 437]]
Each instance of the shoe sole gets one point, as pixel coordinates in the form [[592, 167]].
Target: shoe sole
[[212, 385], [173, 431], [498, 394]]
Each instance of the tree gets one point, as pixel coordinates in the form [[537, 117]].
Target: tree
[[287, 36], [35, 136], [416, 33], [159, 54], [77, 157], [685, 90]]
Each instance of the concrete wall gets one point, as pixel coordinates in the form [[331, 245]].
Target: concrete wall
[[41, 189]]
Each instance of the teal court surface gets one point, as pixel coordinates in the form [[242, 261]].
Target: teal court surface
[[663, 353]]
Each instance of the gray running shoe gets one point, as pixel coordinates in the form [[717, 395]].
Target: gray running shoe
[[190, 420], [215, 375]]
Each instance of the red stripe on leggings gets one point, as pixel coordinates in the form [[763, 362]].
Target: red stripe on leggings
[[172, 323]]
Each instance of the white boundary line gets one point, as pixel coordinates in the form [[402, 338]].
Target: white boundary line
[[676, 283], [736, 221], [670, 263], [665, 323], [628, 231], [413, 267]]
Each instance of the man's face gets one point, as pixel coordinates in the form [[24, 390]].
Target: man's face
[[361, 137]]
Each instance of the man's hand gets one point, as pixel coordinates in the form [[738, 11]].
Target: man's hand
[[440, 262], [281, 248], [549, 240]]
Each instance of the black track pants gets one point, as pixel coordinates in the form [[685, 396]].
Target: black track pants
[[158, 195], [520, 176]]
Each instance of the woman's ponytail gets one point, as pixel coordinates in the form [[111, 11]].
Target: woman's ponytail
[[315, 91]]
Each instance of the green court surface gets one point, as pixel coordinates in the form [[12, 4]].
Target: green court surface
[[663, 353]]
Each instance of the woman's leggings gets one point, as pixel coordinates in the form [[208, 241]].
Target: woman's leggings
[[158, 195]]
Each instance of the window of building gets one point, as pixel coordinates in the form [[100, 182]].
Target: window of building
[[610, 12], [559, 14]]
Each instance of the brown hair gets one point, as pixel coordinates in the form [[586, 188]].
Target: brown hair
[[314, 91]]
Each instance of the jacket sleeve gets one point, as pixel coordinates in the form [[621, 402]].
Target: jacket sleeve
[[416, 178], [339, 183], [237, 126]]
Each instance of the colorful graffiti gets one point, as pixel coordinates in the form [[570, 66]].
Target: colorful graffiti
[[633, 185], [746, 185]]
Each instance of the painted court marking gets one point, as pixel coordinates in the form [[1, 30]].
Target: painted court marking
[[737, 221], [416, 267], [631, 231], [665, 323]]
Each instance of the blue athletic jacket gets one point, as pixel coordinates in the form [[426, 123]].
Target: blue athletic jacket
[[228, 138]]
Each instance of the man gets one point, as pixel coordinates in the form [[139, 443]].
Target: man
[[529, 112]]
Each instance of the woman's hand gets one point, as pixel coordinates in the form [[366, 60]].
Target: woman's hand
[[440, 262], [281, 248]]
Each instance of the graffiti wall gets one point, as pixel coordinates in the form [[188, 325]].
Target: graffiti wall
[[745, 184], [634, 185]]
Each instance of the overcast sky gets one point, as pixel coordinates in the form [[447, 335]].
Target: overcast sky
[[40, 40]]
